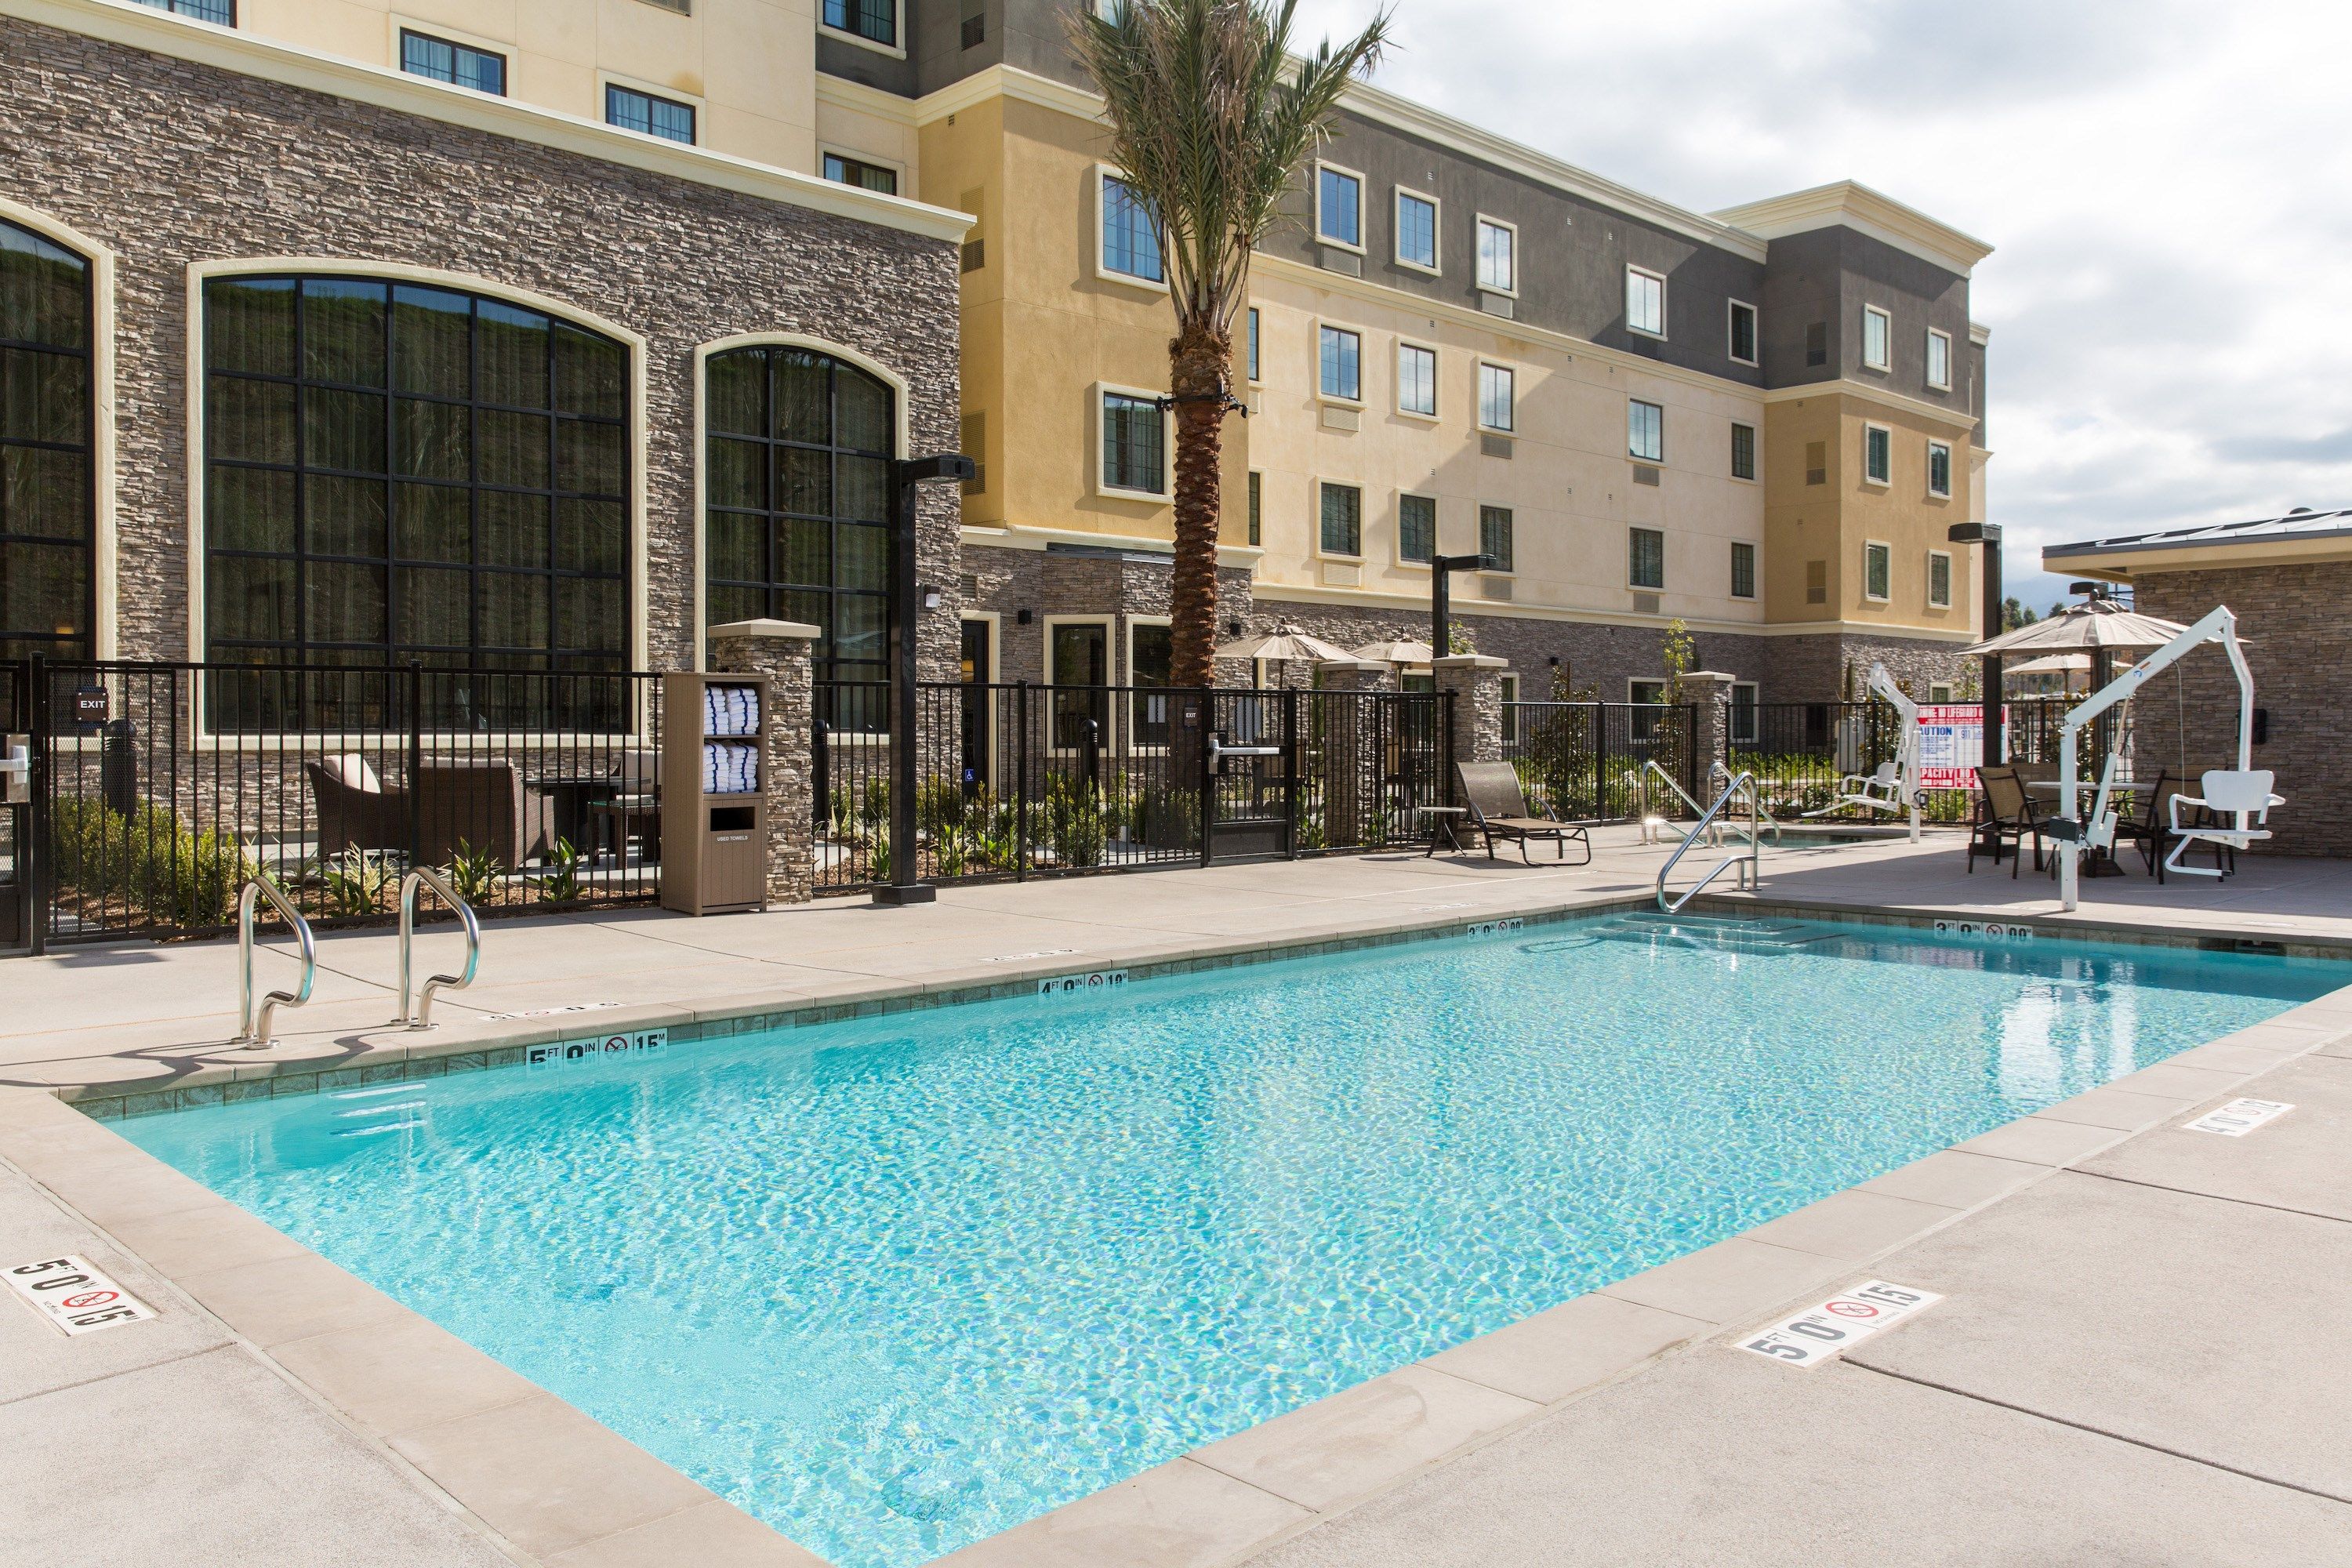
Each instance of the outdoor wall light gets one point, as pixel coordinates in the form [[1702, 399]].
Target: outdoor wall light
[[1023, 617], [930, 598]]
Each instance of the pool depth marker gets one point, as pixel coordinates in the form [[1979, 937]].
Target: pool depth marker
[[1828, 1331], [2239, 1117], [76, 1297]]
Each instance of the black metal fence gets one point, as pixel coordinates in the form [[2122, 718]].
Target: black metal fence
[[15, 820], [1019, 780], [1587, 762], [166, 785]]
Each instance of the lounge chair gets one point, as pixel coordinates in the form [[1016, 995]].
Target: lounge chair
[[483, 805], [2004, 815], [354, 811], [1499, 809]]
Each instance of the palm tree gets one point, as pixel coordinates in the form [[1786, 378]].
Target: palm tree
[[1211, 121]]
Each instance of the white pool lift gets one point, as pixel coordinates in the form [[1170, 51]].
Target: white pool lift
[[2238, 799], [1893, 786]]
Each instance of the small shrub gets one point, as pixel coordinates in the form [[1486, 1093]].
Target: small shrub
[[474, 873], [148, 859], [561, 884], [359, 881]]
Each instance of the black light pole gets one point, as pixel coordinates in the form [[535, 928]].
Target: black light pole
[[1989, 535], [906, 886], [1441, 596]]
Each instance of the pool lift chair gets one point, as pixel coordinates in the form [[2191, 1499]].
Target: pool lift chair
[[2234, 808], [1893, 786]]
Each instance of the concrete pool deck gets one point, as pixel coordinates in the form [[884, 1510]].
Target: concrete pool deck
[[2143, 1315]]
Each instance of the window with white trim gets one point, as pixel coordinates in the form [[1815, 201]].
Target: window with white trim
[[460, 65], [1498, 394], [1645, 431], [1499, 266], [1341, 357], [49, 538], [1940, 469], [1416, 529], [1130, 233], [1134, 443], [1416, 231], [1743, 451], [1939, 360], [1253, 342], [1339, 207], [844, 170], [1878, 572], [1645, 558], [1743, 569], [1417, 380], [1646, 302], [643, 113], [1877, 453], [1877, 335], [1742, 344], [1939, 580], [875, 21], [1495, 536], [1343, 520]]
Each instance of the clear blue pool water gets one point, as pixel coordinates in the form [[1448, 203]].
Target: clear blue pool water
[[897, 1284]]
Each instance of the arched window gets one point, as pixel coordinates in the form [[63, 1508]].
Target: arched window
[[48, 516], [399, 471], [798, 490]]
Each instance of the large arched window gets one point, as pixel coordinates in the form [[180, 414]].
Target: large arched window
[[399, 471], [798, 490], [46, 513]]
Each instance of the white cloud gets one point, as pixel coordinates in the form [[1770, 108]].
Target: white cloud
[[2167, 183]]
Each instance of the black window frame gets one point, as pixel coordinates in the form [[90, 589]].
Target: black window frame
[[1496, 526], [1740, 310], [1637, 554], [1743, 569], [81, 640], [854, 12], [854, 165], [458, 54], [614, 92], [1125, 451], [1429, 552], [197, 10], [1350, 543], [1743, 451], [847, 537]]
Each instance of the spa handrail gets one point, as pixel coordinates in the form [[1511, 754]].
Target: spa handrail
[[1749, 861], [424, 877], [254, 1033]]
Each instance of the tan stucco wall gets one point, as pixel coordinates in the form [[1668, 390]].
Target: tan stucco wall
[[748, 65]]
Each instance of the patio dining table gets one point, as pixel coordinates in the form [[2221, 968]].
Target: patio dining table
[[2099, 861]]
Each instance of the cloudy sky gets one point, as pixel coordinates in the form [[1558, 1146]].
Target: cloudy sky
[[2168, 185]]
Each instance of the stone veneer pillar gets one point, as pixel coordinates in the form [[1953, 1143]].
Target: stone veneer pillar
[[1710, 691], [1347, 801], [779, 651], [1476, 680]]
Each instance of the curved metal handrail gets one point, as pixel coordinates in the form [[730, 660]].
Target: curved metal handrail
[[1771, 824], [424, 878], [1749, 861], [254, 1033]]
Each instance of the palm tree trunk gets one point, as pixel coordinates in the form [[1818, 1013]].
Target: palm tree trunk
[[1199, 374]]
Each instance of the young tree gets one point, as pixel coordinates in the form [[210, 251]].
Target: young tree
[[1211, 121]]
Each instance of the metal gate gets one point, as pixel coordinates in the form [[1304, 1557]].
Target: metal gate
[[1253, 775]]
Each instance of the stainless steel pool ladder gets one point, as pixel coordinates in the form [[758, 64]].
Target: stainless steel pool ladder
[[253, 1031], [1717, 775], [410, 886], [1748, 861]]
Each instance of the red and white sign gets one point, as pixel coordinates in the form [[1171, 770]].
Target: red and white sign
[[1830, 1330], [1951, 743], [77, 1297]]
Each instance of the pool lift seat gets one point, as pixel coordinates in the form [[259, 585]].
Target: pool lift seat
[[2242, 794], [1893, 785]]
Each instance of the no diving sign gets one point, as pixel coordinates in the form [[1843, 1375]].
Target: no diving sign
[[75, 1297], [1828, 1331]]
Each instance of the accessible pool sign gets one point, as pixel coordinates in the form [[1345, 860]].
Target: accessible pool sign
[[1827, 1332], [76, 1297], [2239, 1117]]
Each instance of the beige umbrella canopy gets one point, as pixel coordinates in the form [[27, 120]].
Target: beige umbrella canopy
[[2091, 625], [1289, 642], [1405, 652]]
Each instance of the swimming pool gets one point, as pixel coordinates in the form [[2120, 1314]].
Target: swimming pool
[[896, 1284]]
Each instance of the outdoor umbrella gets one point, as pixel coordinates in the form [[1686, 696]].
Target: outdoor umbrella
[[1285, 645], [1405, 652], [2095, 625]]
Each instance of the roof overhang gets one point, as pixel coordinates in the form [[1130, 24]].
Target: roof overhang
[[1848, 205], [2120, 560]]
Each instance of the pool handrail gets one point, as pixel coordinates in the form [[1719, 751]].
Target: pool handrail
[[1748, 861], [255, 1033], [425, 877], [1715, 771]]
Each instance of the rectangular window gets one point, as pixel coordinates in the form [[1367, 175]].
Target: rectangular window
[[221, 11], [1130, 233], [1743, 712], [1151, 661], [1416, 231], [875, 21], [1417, 380], [1253, 343], [1743, 451], [1939, 360], [1743, 333], [1343, 520], [642, 112], [1495, 536], [1878, 572], [1877, 453], [1079, 656], [1877, 333], [1646, 691], [1646, 302], [1940, 469], [1499, 266], [1645, 430], [1497, 391], [1645, 558], [842, 170], [1416, 529], [1342, 360], [1256, 507], [1134, 444], [1939, 580], [460, 65], [1743, 569], [1339, 207], [1509, 685]]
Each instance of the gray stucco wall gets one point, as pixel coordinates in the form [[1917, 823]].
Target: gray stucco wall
[[1827, 275], [170, 163]]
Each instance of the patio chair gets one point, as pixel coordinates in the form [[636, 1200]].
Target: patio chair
[[2229, 794], [487, 806], [2150, 825], [354, 811], [1499, 809], [2004, 815], [629, 809]]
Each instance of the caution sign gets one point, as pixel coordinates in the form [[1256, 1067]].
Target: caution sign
[[1828, 1331], [76, 1297]]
